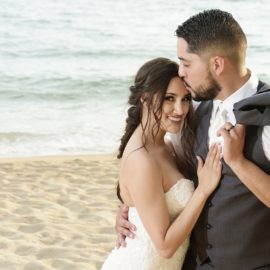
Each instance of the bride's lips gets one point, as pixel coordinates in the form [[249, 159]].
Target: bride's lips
[[176, 119]]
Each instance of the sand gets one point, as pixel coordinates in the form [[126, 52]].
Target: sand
[[57, 212]]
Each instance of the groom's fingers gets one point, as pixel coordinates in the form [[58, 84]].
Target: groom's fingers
[[126, 228], [120, 241], [228, 126], [224, 133], [226, 130], [117, 244], [240, 129], [124, 219], [128, 225]]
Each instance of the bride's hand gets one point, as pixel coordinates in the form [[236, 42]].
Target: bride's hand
[[209, 172]]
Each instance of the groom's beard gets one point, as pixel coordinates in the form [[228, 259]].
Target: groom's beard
[[208, 91]]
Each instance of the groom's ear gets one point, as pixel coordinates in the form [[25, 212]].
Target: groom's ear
[[217, 65]]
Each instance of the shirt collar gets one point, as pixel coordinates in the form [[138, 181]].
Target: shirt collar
[[246, 90]]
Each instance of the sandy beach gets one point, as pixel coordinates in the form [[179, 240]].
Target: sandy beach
[[57, 212]]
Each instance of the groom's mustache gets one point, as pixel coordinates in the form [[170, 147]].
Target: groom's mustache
[[186, 84]]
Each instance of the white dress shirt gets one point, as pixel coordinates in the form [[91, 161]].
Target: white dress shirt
[[247, 90]]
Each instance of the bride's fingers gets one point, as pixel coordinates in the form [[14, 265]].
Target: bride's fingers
[[213, 158], [211, 155], [200, 163], [217, 154]]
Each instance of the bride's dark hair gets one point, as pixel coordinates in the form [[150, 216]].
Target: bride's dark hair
[[151, 83]]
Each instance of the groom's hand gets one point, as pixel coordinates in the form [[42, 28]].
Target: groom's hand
[[123, 227], [234, 140]]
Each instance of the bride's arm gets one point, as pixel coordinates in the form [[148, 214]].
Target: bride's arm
[[144, 185]]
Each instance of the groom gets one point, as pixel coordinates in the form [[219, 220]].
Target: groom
[[233, 231]]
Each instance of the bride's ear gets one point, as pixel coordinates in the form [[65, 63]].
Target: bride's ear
[[143, 98]]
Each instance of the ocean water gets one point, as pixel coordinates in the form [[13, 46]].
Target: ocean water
[[66, 66]]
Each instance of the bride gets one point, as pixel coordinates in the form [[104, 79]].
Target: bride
[[154, 179]]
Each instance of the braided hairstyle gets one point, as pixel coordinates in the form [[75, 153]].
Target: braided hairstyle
[[151, 83]]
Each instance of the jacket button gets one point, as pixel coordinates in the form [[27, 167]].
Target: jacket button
[[208, 226], [209, 246]]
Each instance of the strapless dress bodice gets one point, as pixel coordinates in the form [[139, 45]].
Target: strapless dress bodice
[[140, 253]]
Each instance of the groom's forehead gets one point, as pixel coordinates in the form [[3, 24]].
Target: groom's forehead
[[183, 49]]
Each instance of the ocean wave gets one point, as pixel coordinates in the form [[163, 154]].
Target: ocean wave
[[65, 70], [63, 88], [62, 53], [28, 144], [12, 137]]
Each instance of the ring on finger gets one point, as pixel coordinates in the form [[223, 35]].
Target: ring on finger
[[229, 129]]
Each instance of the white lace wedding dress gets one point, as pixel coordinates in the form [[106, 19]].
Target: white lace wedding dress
[[140, 253]]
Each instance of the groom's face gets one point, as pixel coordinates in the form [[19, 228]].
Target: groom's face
[[196, 74]]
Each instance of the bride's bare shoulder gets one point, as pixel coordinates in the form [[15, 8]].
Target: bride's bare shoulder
[[140, 161]]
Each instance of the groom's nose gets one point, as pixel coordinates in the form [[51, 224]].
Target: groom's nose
[[181, 71]]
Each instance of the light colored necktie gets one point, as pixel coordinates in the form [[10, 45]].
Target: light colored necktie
[[221, 117]]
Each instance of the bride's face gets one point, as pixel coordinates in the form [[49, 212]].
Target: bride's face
[[175, 106]]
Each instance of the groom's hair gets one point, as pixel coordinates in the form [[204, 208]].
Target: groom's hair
[[214, 32]]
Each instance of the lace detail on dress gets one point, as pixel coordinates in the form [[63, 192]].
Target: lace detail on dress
[[140, 253]]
